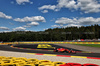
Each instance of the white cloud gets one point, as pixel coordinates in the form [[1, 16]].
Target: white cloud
[[19, 29], [5, 31], [78, 21], [67, 4], [31, 2], [89, 6], [2, 15], [64, 20], [72, 25], [31, 19], [33, 24], [51, 7], [34, 21], [23, 2], [12, 2], [46, 29], [89, 21], [86, 6], [4, 28], [55, 26], [45, 11], [26, 26]]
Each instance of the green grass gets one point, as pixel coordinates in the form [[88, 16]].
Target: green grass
[[90, 45]]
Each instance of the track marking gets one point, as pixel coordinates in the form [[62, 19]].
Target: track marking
[[65, 56], [78, 57], [49, 55]]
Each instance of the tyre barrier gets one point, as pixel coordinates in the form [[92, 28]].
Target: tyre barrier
[[32, 61], [44, 62], [77, 64], [73, 64], [58, 63], [47, 64], [21, 61], [13, 58], [90, 64]]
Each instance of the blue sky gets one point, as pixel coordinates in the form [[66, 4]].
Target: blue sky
[[38, 15]]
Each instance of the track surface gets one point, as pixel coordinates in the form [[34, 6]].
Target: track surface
[[34, 46], [8, 48]]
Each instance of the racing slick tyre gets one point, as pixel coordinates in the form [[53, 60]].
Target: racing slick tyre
[[74, 52], [67, 51], [55, 50], [62, 51]]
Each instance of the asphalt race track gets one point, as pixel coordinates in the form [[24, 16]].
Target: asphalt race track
[[34, 46]]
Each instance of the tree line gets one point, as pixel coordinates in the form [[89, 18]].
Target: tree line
[[56, 34]]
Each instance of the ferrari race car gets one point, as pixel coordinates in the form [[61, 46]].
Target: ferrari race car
[[64, 50]]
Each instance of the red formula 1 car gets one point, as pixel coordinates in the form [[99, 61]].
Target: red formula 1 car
[[64, 50]]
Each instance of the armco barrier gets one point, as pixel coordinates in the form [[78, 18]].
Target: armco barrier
[[51, 43]]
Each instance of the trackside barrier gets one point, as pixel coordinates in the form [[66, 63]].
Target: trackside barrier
[[77, 64], [63, 65], [90, 65], [13, 58], [51, 42], [21, 58], [28, 65], [1, 62], [44, 62], [7, 61], [58, 63], [48, 64], [12, 64], [73, 64], [32, 61], [21, 61], [2, 57]]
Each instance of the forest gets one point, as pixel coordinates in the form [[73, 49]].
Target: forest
[[55, 34]]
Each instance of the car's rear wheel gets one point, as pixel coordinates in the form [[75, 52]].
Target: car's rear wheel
[[62, 51]]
